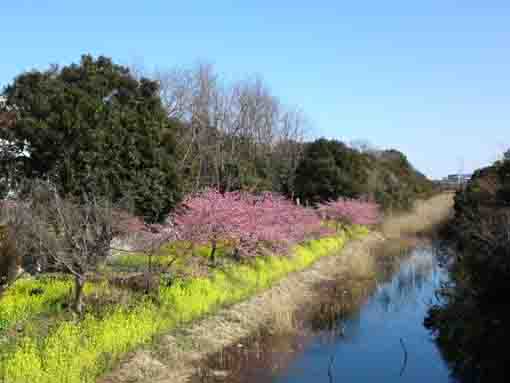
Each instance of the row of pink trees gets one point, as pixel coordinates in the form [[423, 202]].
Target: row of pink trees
[[257, 223], [350, 211]]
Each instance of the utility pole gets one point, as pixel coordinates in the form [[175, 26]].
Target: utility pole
[[461, 172]]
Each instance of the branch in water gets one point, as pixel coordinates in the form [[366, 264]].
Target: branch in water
[[330, 368], [404, 363]]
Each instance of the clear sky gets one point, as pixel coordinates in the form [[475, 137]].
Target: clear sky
[[430, 78]]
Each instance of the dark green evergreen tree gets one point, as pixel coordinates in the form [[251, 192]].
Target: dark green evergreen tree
[[93, 127], [328, 170]]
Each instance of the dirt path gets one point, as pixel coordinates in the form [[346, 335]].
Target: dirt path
[[173, 357]]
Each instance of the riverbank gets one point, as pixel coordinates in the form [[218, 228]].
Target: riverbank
[[175, 357], [352, 324]]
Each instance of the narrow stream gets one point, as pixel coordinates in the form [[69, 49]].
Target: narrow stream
[[375, 341], [384, 340]]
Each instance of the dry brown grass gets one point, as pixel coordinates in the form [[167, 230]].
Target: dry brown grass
[[424, 217], [175, 357], [282, 318]]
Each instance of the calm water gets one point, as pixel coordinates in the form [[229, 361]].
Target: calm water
[[383, 341], [371, 350]]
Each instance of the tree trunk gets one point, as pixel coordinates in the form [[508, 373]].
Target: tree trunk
[[149, 268], [237, 255], [213, 251], [79, 282], [13, 268]]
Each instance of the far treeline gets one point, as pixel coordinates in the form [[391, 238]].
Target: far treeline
[[472, 321], [147, 140]]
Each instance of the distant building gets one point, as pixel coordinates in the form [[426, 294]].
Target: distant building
[[455, 180], [459, 178]]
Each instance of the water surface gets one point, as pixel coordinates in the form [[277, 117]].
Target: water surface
[[384, 340], [375, 341]]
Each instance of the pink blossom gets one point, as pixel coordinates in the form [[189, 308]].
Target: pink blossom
[[350, 211], [253, 223]]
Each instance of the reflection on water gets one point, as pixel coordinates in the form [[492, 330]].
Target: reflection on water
[[418, 277], [371, 347], [381, 341]]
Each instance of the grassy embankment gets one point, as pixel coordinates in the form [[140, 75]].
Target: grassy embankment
[[177, 356], [41, 343]]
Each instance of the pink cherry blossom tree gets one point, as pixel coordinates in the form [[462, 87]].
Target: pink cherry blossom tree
[[251, 223], [350, 211], [276, 223], [209, 217]]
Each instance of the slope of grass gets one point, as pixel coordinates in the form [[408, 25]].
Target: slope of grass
[[79, 351]]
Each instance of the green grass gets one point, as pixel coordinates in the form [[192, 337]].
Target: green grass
[[139, 261], [29, 297], [80, 351]]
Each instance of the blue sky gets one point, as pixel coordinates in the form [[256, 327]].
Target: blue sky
[[429, 78]]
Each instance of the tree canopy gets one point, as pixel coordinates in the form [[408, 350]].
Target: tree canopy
[[329, 169], [92, 126]]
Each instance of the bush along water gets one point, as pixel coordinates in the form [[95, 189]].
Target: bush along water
[[471, 322]]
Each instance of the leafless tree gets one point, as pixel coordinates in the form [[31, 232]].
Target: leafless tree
[[226, 125], [194, 98], [133, 236], [68, 235], [288, 147]]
